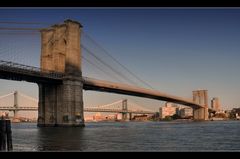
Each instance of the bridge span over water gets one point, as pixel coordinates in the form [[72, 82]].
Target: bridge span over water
[[61, 82], [17, 101]]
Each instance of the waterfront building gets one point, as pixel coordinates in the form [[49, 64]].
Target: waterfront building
[[106, 117], [186, 112], [98, 117], [167, 110], [142, 117], [88, 118]]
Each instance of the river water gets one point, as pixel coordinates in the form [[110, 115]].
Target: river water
[[130, 136]]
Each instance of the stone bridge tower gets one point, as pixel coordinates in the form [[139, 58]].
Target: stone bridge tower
[[124, 108], [61, 104], [200, 97]]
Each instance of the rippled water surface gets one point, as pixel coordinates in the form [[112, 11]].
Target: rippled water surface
[[130, 136]]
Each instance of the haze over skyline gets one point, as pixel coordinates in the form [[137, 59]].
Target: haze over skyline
[[176, 51]]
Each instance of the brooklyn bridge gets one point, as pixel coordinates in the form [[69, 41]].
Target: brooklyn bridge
[[61, 83]]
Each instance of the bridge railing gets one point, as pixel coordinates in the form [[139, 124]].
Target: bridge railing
[[19, 108], [16, 67], [88, 109]]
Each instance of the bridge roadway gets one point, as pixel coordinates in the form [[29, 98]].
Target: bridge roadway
[[18, 108], [116, 111], [88, 109], [19, 72]]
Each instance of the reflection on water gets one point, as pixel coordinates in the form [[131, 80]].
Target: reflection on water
[[130, 136], [54, 139]]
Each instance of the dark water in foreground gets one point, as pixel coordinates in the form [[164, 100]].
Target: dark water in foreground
[[130, 136]]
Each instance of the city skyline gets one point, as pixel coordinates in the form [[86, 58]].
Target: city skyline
[[175, 50]]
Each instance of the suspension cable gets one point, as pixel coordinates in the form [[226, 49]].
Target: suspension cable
[[117, 72], [139, 106], [93, 64], [31, 98], [6, 28], [6, 95], [5, 22], [102, 106], [106, 52]]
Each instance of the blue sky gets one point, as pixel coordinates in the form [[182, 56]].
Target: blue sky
[[175, 50]]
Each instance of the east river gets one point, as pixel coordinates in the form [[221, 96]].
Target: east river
[[130, 136]]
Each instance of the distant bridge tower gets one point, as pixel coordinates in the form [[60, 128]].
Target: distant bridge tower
[[61, 104], [124, 108], [215, 104], [200, 97], [15, 104]]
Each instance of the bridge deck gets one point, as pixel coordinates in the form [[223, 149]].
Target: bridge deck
[[116, 111], [19, 108], [106, 86], [87, 109], [19, 72], [14, 71]]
